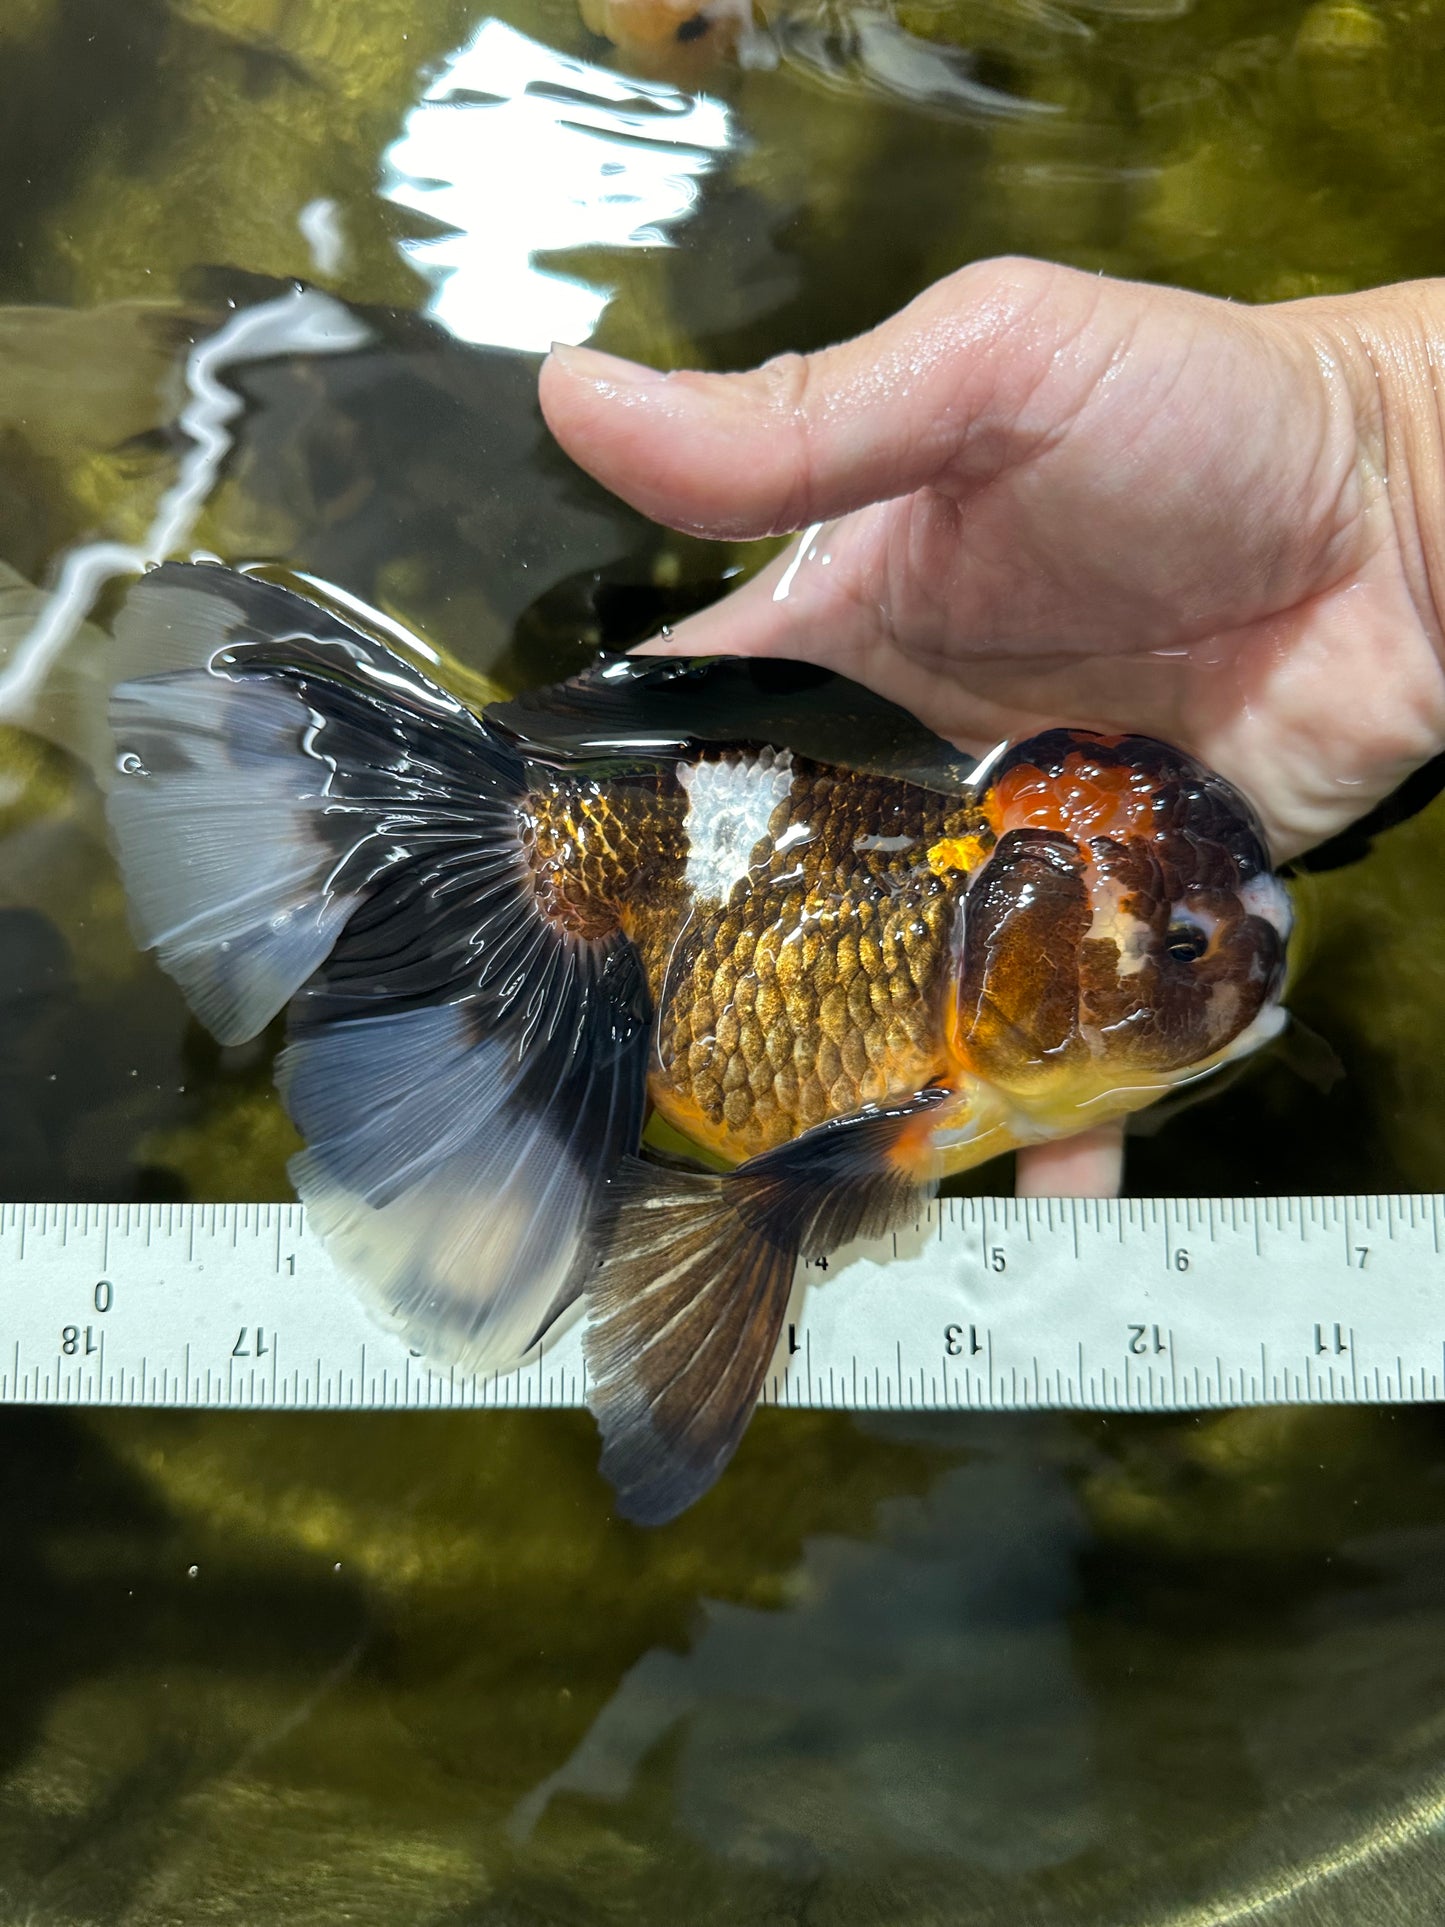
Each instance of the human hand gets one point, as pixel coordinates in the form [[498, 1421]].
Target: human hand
[[1061, 498], [1056, 498]]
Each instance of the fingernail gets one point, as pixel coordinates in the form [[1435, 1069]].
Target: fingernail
[[604, 371]]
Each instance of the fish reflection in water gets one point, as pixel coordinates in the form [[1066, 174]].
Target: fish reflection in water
[[917, 1693], [855, 46], [751, 899]]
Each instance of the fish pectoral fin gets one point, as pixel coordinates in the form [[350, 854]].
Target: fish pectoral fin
[[852, 1177], [690, 1277]]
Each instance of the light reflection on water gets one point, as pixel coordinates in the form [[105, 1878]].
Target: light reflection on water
[[299, 322], [516, 152]]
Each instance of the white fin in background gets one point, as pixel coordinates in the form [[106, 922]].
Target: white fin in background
[[69, 710]]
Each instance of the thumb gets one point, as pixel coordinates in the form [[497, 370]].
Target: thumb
[[935, 393]]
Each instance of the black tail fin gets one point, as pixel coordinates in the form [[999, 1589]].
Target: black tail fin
[[301, 817]]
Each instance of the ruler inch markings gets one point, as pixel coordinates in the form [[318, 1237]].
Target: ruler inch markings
[[1290, 1299]]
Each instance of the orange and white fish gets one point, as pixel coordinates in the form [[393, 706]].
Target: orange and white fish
[[749, 896], [678, 40]]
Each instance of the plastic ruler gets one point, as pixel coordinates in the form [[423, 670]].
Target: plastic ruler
[[997, 1303]]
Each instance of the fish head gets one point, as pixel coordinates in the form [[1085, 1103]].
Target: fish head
[[1125, 932]]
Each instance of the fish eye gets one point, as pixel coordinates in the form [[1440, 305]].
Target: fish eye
[[693, 28], [1186, 942]]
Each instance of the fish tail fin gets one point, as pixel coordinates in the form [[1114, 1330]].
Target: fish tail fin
[[266, 774], [689, 1280], [302, 819]]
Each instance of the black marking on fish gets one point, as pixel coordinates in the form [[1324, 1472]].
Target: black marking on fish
[[656, 709]]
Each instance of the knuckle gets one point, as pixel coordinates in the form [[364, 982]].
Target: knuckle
[[791, 399], [1009, 298], [786, 382], [1017, 281]]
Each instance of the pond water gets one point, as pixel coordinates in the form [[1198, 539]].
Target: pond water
[[274, 279]]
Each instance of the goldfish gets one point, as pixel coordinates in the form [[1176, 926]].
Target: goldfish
[[748, 898], [678, 40]]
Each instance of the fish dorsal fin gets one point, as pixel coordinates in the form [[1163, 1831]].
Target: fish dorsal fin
[[691, 1277], [660, 708]]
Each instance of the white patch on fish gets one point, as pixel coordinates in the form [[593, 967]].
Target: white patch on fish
[[888, 845], [730, 807], [1224, 1002], [1112, 923], [1265, 1028]]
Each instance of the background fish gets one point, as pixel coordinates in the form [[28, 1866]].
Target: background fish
[[504, 938], [678, 40]]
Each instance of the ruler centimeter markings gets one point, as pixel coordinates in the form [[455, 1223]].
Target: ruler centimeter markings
[[1140, 1304]]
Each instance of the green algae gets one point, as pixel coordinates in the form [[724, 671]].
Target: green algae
[[272, 107], [85, 398]]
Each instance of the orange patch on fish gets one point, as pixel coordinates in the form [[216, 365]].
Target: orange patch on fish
[[959, 853], [1084, 799]]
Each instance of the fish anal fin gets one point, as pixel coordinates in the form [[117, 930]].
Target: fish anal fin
[[690, 1280]]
